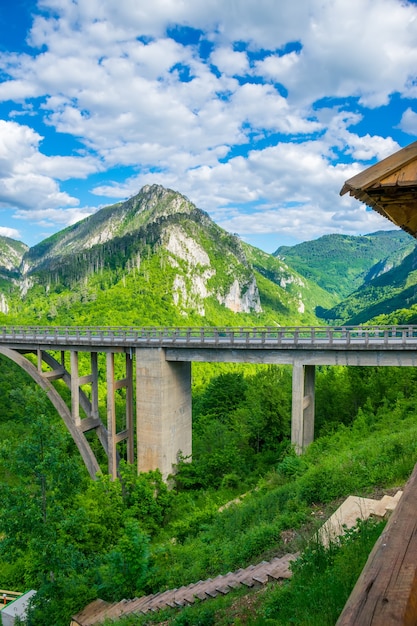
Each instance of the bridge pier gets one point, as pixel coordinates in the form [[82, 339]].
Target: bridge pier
[[127, 433], [302, 418], [163, 410]]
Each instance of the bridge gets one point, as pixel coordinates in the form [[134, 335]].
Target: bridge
[[148, 372]]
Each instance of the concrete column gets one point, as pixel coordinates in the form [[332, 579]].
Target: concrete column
[[309, 404], [163, 410], [297, 413], [302, 421], [75, 388], [129, 409], [111, 416], [94, 385]]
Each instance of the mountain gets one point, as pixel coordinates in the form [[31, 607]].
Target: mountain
[[270, 270], [155, 259], [384, 295], [11, 256], [341, 264]]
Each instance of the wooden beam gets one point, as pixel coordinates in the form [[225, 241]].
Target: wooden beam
[[386, 591], [380, 170]]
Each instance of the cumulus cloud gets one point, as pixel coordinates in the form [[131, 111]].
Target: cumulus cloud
[[49, 217], [305, 223], [13, 233], [409, 122], [361, 48], [236, 104], [27, 177]]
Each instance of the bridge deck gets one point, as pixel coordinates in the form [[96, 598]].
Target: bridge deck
[[253, 338]]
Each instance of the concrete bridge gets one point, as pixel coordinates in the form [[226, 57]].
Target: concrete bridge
[[148, 372]]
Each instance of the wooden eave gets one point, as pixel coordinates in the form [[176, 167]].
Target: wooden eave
[[390, 188]]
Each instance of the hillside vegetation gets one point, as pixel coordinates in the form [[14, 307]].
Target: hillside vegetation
[[164, 261], [74, 540], [154, 259], [383, 295], [342, 264]]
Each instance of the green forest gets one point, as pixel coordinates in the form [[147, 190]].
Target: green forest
[[73, 539]]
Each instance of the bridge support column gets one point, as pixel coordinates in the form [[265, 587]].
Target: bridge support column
[[163, 409], [115, 437], [302, 421]]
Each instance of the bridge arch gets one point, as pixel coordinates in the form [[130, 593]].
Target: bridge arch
[[63, 411]]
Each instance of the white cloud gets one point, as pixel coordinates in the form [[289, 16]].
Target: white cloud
[[27, 177], [409, 122], [49, 217], [230, 62], [13, 233], [306, 222], [360, 48]]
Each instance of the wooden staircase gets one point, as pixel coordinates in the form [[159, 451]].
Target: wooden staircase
[[254, 575], [346, 516], [352, 509]]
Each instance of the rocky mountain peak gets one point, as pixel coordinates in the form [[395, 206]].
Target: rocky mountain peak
[[159, 201], [124, 218], [11, 254]]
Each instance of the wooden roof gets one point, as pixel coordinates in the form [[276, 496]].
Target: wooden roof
[[390, 188]]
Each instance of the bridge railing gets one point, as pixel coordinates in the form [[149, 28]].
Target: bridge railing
[[286, 336]]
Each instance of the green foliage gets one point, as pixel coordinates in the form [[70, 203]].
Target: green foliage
[[99, 516], [322, 579], [36, 522], [73, 539], [395, 289], [222, 395], [340, 264], [124, 569], [146, 497], [241, 425]]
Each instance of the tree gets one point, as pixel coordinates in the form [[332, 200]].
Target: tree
[[124, 571], [37, 508], [146, 497]]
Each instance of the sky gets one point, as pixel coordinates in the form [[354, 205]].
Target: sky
[[256, 110]]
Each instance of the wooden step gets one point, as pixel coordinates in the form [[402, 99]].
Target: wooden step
[[98, 611]]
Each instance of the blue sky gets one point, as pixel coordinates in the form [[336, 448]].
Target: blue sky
[[256, 110]]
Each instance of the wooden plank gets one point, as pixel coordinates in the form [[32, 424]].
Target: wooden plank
[[405, 175], [380, 170], [386, 591]]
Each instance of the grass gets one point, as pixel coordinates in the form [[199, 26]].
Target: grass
[[377, 452], [321, 584]]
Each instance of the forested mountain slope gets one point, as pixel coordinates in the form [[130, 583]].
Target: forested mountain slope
[[154, 259], [341, 264], [384, 295], [157, 259]]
